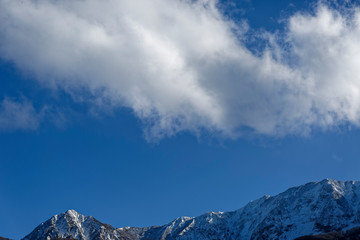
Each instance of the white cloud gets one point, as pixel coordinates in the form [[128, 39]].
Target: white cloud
[[18, 115], [181, 66]]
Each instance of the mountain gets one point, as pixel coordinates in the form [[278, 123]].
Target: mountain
[[73, 225], [313, 208]]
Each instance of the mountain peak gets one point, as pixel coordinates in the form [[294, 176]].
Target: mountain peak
[[73, 215], [337, 182], [340, 189], [333, 182], [72, 212], [71, 224]]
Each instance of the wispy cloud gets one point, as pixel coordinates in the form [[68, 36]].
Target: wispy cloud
[[180, 65], [18, 115]]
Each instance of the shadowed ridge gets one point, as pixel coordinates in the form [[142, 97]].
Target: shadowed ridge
[[351, 234]]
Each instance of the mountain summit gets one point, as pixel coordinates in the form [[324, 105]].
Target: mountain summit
[[313, 208], [73, 225]]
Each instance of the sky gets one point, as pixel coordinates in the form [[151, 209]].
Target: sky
[[138, 112]]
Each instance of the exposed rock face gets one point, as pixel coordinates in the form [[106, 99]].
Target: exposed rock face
[[312, 208]]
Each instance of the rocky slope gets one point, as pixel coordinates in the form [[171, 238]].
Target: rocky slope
[[313, 208]]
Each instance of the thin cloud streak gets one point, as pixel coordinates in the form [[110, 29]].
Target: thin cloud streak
[[181, 66], [16, 115]]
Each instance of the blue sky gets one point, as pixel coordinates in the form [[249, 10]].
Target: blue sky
[[168, 108]]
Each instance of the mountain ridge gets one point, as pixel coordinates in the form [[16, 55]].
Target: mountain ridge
[[312, 208]]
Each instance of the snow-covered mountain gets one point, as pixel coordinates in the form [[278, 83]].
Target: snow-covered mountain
[[73, 225], [312, 208]]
